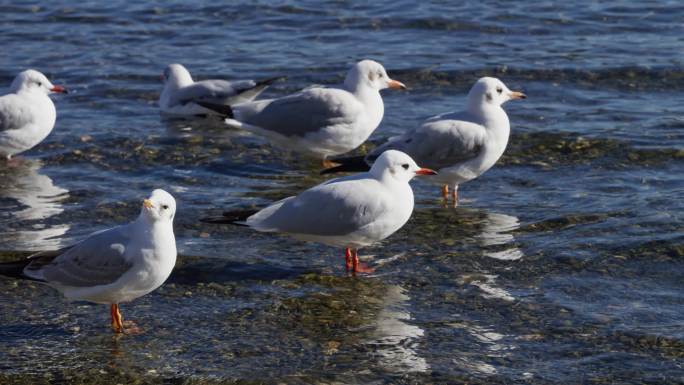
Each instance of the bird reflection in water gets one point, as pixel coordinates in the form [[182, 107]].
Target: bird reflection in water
[[27, 199], [496, 238], [394, 338]]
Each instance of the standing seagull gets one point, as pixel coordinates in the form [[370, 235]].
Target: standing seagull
[[349, 212], [323, 121], [111, 266], [460, 145], [27, 114], [181, 93]]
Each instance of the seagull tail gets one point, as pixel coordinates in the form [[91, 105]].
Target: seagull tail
[[21, 269], [269, 81], [223, 109], [350, 164], [249, 94], [15, 269], [236, 217]]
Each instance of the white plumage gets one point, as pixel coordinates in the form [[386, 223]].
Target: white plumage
[[349, 212], [27, 114]]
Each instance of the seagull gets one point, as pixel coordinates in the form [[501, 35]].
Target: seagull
[[460, 145], [349, 212], [111, 266], [27, 114], [321, 121], [181, 93]]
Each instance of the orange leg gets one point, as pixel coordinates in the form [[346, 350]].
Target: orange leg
[[117, 321], [445, 193], [358, 267], [347, 258]]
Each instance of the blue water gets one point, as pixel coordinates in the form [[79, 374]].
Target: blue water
[[563, 264]]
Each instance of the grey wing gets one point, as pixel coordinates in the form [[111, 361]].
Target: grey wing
[[440, 143], [13, 113], [338, 207], [97, 260], [305, 112], [212, 91]]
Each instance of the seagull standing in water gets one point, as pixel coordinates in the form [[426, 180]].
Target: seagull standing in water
[[321, 121], [460, 145], [111, 266], [181, 94], [27, 114], [349, 212]]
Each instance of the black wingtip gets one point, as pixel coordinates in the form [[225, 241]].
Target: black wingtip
[[236, 217], [351, 164], [269, 81], [223, 109]]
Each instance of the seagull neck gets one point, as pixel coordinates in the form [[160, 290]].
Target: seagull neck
[[148, 226], [179, 83]]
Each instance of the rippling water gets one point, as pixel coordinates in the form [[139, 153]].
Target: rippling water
[[563, 264]]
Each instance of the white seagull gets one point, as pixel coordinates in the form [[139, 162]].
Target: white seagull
[[460, 145], [322, 121], [111, 266], [27, 114], [349, 212], [181, 93]]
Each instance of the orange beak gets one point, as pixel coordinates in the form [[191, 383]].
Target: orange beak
[[518, 95], [59, 89], [396, 85], [148, 204], [426, 171]]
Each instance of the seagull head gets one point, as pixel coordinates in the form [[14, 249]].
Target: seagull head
[[160, 206], [34, 81], [491, 91], [177, 74], [398, 166], [370, 74]]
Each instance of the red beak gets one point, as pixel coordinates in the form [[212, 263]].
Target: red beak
[[396, 85], [59, 89], [426, 171]]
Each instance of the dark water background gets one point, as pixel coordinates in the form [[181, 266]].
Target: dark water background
[[564, 263]]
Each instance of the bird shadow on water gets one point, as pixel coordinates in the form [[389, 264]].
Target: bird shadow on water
[[23, 331], [198, 269]]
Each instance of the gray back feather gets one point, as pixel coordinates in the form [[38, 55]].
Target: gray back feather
[[97, 260], [338, 207], [439, 143], [213, 91], [305, 112]]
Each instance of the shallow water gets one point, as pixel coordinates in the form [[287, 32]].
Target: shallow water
[[563, 264]]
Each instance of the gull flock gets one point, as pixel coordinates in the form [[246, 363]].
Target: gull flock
[[123, 263]]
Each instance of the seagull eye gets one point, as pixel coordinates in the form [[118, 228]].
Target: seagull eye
[[405, 166], [40, 84], [499, 89], [165, 207]]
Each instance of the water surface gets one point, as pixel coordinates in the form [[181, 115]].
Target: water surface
[[563, 264]]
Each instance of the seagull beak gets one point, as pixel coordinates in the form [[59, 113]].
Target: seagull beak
[[59, 89], [517, 95], [148, 204], [426, 171], [396, 85]]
